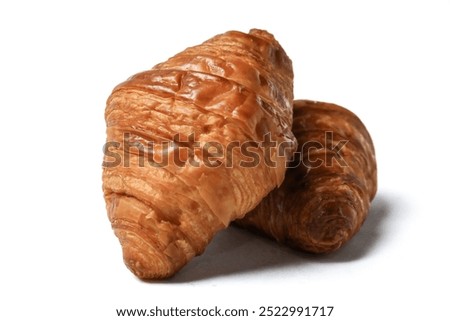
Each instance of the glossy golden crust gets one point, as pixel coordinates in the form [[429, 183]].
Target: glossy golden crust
[[325, 199], [233, 88]]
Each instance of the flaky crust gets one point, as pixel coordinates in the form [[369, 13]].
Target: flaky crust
[[319, 208], [235, 87]]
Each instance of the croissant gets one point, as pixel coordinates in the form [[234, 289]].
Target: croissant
[[185, 151], [326, 194]]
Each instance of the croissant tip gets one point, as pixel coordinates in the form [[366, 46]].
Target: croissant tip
[[139, 259], [332, 226]]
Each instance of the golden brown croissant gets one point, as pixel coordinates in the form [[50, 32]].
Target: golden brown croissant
[[184, 153], [326, 194]]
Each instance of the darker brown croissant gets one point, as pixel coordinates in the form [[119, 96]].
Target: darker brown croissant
[[325, 197], [235, 87]]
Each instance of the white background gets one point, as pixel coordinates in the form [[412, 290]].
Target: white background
[[387, 61]]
